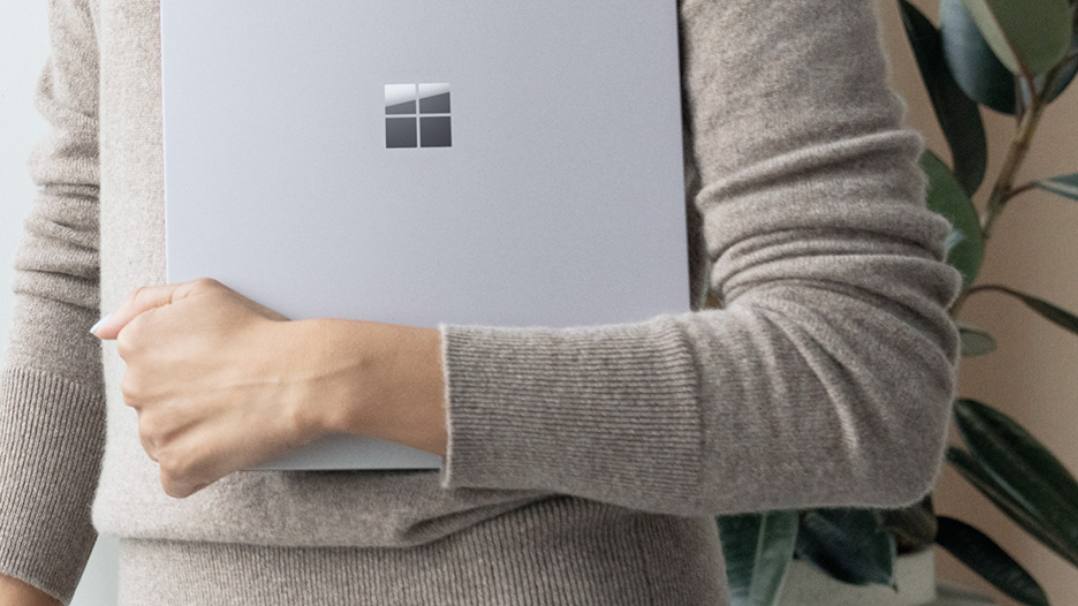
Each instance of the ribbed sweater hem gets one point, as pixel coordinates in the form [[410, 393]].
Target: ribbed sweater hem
[[562, 551]]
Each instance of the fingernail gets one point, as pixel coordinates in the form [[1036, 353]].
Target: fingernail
[[94, 328]]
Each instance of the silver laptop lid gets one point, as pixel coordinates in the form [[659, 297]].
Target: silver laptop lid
[[416, 162]]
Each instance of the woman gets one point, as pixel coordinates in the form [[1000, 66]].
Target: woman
[[582, 466]]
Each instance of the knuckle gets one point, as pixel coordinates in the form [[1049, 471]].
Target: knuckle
[[131, 339], [130, 389], [178, 474], [207, 283], [139, 294], [172, 487], [149, 447], [174, 463], [150, 428], [167, 460], [124, 346], [127, 342]]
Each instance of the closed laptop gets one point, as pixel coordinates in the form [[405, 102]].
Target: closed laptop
[[415, 162]]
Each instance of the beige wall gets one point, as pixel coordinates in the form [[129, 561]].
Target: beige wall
[[1032, 376]]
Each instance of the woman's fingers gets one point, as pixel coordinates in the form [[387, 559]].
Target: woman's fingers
[[201, 457], [147, 298]]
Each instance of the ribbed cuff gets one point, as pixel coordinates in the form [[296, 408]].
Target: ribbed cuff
[[51, 435], [607, 412]]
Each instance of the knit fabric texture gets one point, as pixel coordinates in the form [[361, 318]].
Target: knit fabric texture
[[825, 379]]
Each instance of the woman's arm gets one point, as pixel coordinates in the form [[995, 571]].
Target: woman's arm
[[52, 412], [827, 378]]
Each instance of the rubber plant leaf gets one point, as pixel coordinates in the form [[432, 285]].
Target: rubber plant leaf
[[1029, 36], [983, 556], [1053, 313], [972, 63], [976, 475], [849, 545], [758, 548], [1022, 466], [958, 116], [975, 342], [1066, 74], [1063, 185], [946, 197]]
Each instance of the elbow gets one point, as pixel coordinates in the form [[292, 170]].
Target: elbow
[[909, 459], [860, 412], [930, 433], [908, 382]]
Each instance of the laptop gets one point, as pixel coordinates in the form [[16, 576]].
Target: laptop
[[474, 162]]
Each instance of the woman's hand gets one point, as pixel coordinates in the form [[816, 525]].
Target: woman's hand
[[209, 374], [221, 383]]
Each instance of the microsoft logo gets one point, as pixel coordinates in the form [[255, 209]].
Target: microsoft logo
[[417, 115]]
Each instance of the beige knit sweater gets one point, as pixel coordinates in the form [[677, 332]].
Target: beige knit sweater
[[584, 463]]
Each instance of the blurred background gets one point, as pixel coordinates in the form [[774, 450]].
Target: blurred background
[[1034, 248]]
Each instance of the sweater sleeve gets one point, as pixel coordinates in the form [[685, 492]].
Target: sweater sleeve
[[52, 412], [826, 377]]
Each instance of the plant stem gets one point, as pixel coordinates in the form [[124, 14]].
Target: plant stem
[[1003, 189], [969, 291], [1023, 188], [957, 305]]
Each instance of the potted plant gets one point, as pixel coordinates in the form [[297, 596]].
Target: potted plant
[[1013, 58]]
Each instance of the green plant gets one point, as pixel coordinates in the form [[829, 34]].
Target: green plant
[[1013, 57]]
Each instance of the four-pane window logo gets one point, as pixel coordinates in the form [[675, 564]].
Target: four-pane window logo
[[417, 115]]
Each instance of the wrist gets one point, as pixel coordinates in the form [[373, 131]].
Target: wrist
[[377, 380]]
